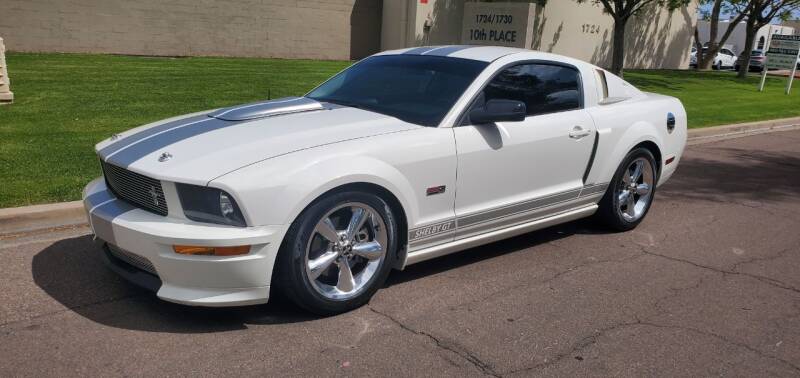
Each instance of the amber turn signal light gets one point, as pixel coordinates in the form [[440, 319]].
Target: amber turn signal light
[[211, 251]]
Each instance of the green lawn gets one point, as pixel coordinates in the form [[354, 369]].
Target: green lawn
[[65, 103], [719, 98]]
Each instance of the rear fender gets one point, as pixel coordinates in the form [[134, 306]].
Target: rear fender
[[614, 145]]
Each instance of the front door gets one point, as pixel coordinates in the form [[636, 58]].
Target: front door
[[513, 172]]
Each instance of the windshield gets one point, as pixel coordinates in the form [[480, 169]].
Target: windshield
[[414, 88]]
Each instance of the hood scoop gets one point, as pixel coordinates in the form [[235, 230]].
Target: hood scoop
[[272, 108]]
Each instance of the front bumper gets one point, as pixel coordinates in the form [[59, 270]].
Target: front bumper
[[190, 280]]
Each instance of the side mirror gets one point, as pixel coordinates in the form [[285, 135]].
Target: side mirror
[[499, 111]]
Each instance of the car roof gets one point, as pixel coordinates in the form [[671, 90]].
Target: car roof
[[481, 53]]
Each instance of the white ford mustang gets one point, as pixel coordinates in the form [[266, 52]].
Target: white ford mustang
[[405, 156]]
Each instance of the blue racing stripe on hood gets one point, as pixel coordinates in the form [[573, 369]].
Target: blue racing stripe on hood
[[128, 156], [147, 133]]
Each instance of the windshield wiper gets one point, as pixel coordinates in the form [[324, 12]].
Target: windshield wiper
[[360, 106]]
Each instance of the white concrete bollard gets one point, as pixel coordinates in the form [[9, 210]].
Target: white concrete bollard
[[6, 96]]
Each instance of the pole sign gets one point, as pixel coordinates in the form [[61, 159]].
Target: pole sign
[[783, 54]]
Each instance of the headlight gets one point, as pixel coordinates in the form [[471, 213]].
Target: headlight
[[211, 205]]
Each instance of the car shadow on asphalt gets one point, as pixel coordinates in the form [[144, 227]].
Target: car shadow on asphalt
[[742, 175], [71, 272]]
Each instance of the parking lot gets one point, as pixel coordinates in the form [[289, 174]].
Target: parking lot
[[707, 285]]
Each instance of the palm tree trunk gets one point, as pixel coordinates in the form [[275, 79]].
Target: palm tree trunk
[[749, 40], [701, 58], [713, 44]]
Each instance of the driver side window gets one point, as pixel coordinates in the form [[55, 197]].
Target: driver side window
[[544, 88]]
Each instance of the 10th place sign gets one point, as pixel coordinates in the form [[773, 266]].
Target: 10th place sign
[[498, 24]]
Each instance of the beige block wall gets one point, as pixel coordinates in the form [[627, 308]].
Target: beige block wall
[[656, 38], [5, 83], [319, 29], [397, 20], [445, 17]]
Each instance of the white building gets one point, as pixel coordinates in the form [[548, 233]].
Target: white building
[[793, 24], [737, 39]]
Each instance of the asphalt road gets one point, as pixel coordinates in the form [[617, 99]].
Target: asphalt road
[[708, 285]]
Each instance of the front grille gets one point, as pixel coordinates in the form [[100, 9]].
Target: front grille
[[132, 259], [141, 191]]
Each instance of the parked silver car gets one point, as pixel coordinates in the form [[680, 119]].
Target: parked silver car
[[757, 61]]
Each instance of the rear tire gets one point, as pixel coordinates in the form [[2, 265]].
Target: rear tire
[[630, 193], [327, 276]]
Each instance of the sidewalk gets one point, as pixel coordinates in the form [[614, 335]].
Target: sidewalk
[[784, 73]]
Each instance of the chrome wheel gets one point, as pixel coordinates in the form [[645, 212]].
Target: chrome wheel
[[635, 190], [345, 250]]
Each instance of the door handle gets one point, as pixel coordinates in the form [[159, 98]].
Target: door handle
[[579, 133]]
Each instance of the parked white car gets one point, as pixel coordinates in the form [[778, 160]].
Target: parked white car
[[405, 156], [725, 59]]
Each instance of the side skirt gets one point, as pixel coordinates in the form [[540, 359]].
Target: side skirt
[[474, 241]]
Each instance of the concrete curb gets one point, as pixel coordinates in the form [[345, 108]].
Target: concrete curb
[[21, 220], [718, 133]]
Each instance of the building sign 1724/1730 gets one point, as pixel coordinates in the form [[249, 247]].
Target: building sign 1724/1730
[[498, 24]]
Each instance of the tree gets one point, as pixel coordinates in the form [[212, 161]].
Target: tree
[[760, 13], [622, 11], [706, 58]]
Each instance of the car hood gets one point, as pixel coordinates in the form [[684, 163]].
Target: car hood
[[198, 148]]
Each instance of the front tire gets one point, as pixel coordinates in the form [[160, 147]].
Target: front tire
[[338, 252], [631, 191]]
